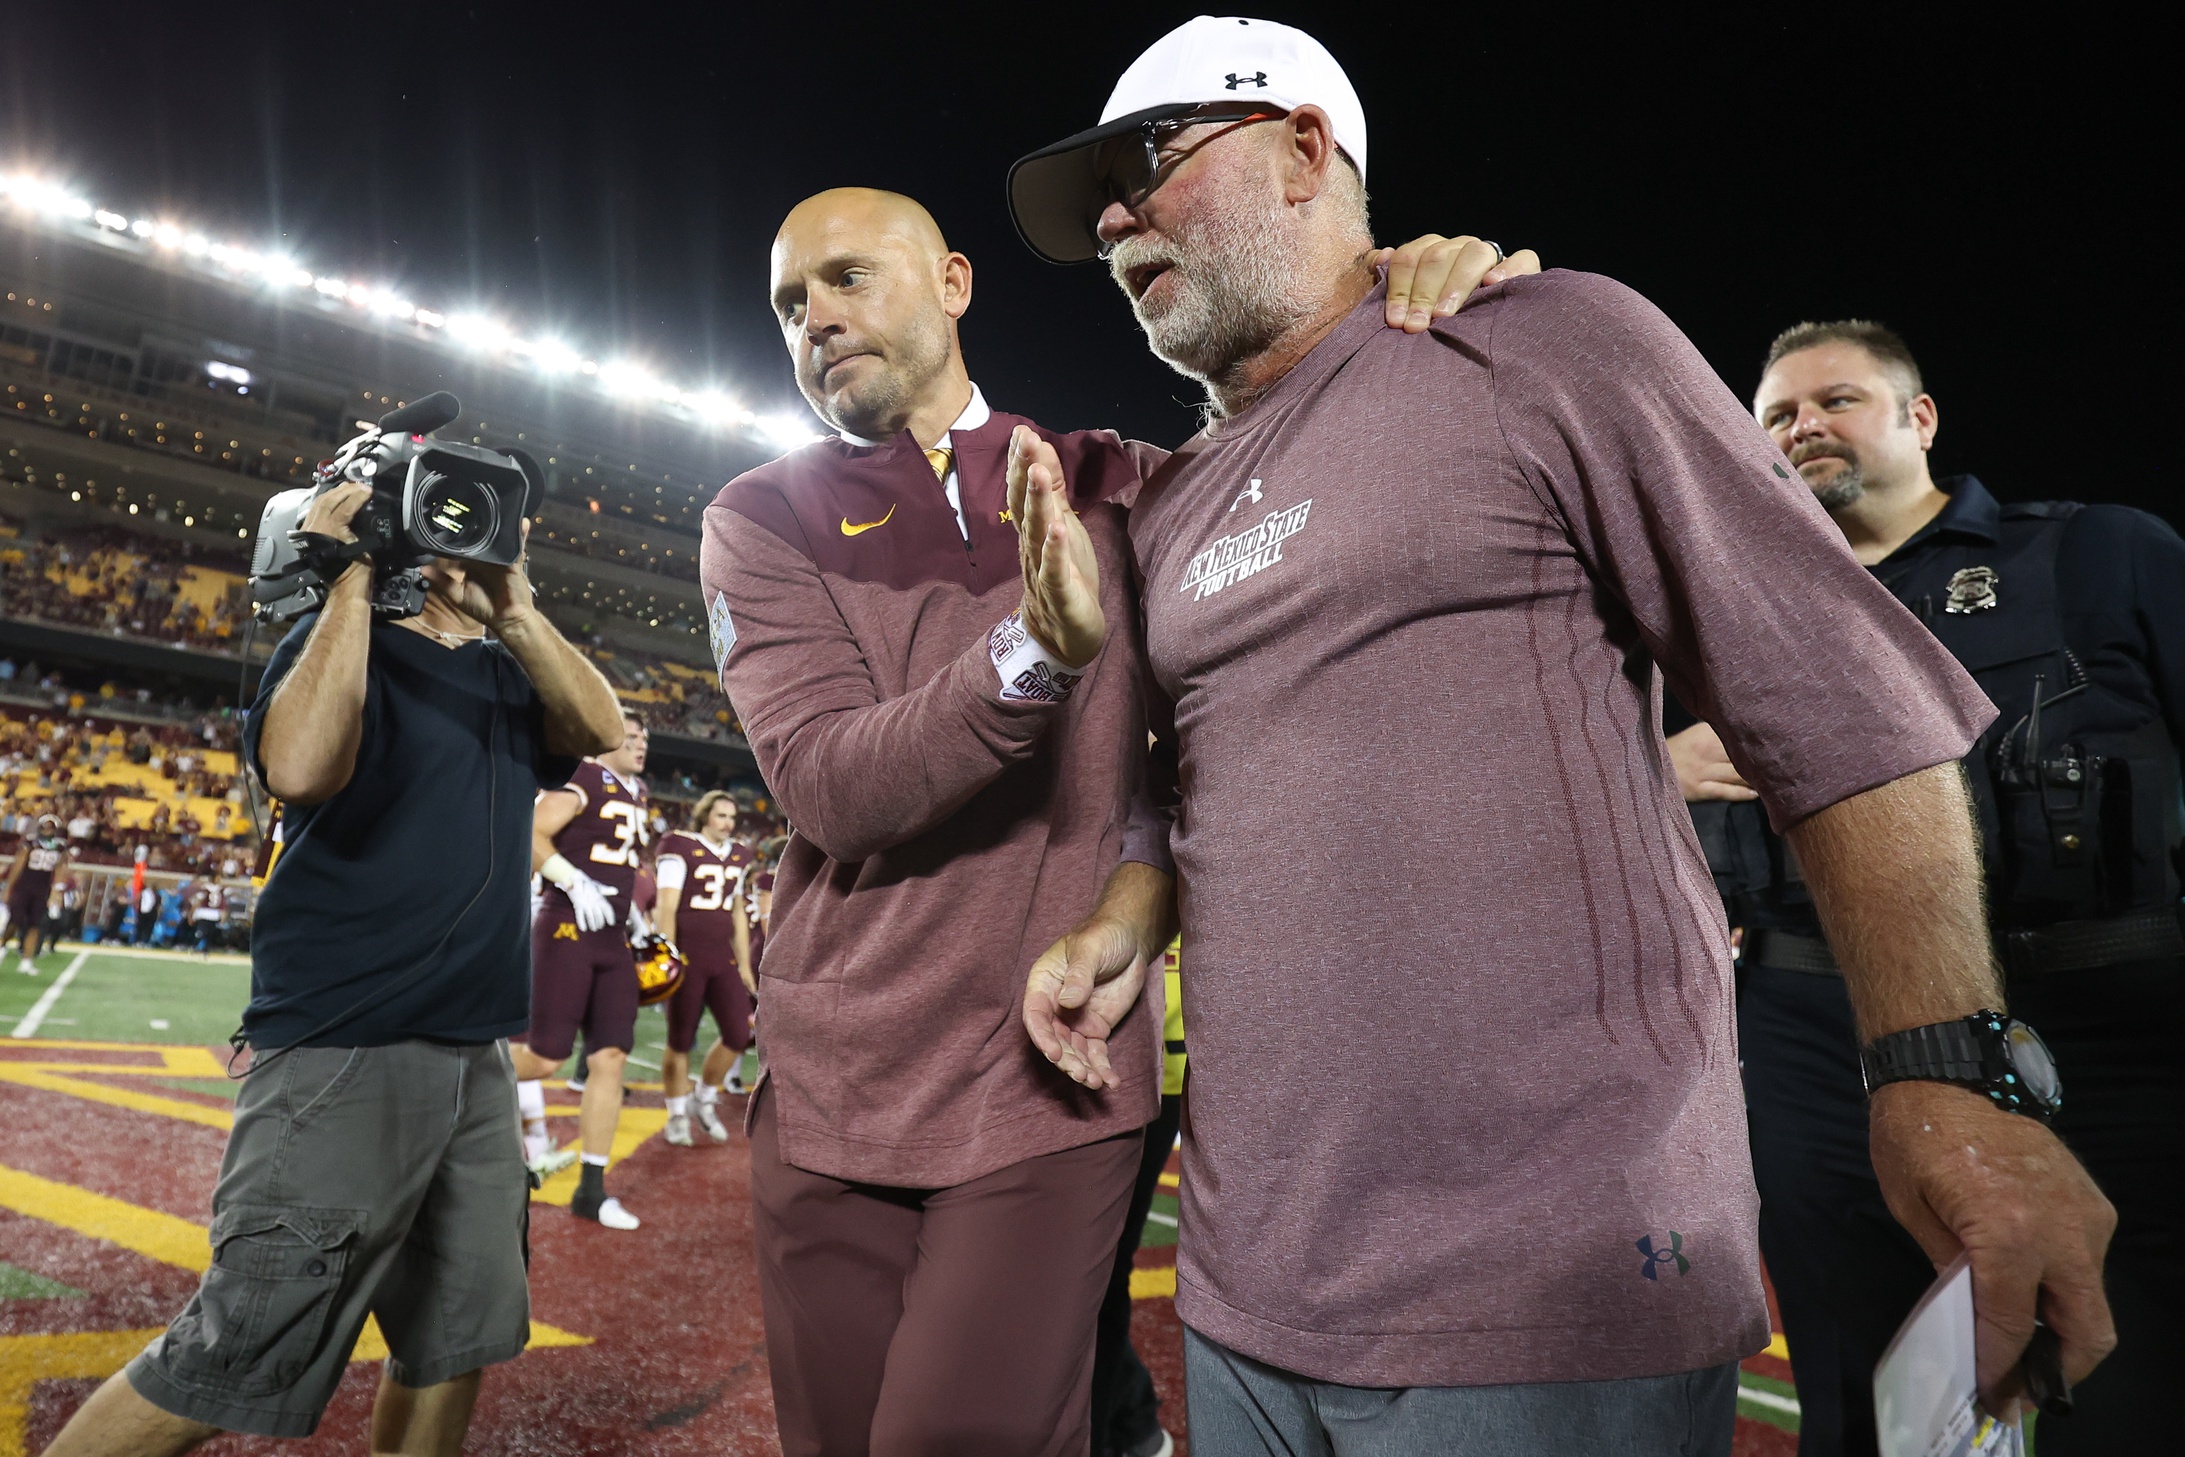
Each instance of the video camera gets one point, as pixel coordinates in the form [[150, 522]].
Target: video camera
[[430, 498]]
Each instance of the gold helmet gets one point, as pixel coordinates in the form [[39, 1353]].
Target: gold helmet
[[659, 968]]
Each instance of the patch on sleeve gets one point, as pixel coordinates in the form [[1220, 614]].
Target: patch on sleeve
[[722, 629]]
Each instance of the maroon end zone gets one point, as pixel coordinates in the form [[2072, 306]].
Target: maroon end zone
[[676, 1362]]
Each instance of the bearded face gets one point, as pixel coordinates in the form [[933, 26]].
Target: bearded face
[[1835, 487], [1222, 279]]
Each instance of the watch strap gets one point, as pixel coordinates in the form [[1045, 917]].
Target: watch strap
[[1945, 1052]]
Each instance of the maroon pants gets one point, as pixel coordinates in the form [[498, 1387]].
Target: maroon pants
[[710, 988], [959, 1321]]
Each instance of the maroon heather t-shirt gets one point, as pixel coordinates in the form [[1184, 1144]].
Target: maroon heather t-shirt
[[1409, 608]]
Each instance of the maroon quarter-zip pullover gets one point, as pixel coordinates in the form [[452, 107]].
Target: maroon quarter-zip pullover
[[943, 837]]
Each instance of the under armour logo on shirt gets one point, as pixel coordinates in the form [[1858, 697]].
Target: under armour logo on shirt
[[1251, 493], [1257, 78]]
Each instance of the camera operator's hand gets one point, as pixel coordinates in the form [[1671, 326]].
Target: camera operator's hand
[[587, 897], [1061, 577], [330, 512], [499, 597]]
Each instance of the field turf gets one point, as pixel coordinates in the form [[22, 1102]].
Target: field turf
[[117, 1106]]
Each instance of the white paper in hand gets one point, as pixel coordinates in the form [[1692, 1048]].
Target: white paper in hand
[[1926, 1388]]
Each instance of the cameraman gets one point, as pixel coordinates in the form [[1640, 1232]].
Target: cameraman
[[374, 1166]]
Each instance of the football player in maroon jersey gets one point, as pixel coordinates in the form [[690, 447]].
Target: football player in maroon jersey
[[585, 843], [701, 875], [30, 882]]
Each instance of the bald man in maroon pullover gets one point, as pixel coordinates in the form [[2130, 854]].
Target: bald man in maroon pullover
[[928, 626]]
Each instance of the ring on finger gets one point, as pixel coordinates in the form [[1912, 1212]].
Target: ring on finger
[[1500, 256]]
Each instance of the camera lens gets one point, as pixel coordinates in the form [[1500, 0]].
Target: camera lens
[[456, 516]]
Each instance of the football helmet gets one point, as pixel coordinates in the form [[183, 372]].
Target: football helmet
[[659, 967]]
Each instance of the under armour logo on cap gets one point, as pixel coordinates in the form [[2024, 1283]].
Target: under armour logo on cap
[[1257, 78]]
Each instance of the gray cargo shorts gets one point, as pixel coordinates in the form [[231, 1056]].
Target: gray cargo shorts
[[383, 1181]]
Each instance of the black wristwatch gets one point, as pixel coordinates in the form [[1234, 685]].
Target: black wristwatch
[[1987, 1052]]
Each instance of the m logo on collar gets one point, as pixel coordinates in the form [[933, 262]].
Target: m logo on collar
[[1257, 78], [1972, 590]]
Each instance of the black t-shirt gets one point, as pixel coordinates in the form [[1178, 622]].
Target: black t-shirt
[[432, 831]]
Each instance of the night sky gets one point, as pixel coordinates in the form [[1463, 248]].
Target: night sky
[[1988, 186]]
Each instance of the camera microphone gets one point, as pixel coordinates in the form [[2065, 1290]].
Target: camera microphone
[[422, 417]]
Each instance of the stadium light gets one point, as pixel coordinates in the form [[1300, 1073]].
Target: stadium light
[[709, 407], [551, 356], [478, 332], [788, 431], [625, 380]]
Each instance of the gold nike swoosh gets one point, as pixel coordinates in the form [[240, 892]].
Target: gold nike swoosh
[[849, 530]]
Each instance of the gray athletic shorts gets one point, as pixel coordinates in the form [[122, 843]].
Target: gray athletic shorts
[[372, 1180], [1245, 1408]]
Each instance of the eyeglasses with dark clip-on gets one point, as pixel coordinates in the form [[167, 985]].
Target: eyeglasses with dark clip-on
[[1132, 167]]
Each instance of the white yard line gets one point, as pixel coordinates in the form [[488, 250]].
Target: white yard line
[[1159, 1218], [1788, 1405], [28, 1027]]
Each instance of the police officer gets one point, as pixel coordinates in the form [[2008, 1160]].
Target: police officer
[[2072, 619]]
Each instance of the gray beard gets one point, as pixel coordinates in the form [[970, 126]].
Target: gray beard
[[1235, 286], [1845, 490]]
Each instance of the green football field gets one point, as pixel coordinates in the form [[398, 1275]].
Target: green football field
[[124, 995]]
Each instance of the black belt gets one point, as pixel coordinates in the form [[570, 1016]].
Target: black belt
[[1789, 951], [2083, 945], [2065, 946]]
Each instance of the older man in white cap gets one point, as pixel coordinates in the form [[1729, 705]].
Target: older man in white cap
[[1522, 1221], [911, 618]]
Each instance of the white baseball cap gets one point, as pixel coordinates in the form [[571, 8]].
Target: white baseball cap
[[1056, 195]]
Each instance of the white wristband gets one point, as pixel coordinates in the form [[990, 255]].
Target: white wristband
[[1029, 673], [558, 869]]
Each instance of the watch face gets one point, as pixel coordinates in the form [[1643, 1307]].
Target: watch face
[[2030, 1059]]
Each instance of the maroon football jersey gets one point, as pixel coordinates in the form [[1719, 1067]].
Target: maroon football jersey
[[609, 829], [705, 923]]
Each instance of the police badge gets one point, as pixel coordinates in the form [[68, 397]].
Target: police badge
[[1972, 590]]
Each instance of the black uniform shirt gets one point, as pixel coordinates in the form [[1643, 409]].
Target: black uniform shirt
[[2120, 586], [2120, 578]]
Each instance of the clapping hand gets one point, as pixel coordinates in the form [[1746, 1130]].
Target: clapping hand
[[1061, 577]]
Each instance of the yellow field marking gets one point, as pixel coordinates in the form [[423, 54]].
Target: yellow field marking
[[175, 1062], [167, 1238], [637, 1125], [1777, 1347], [1171, 1181], [60, 1044], [1155, 1284], [30, 1076], [27, 1360], [95, 1355]]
